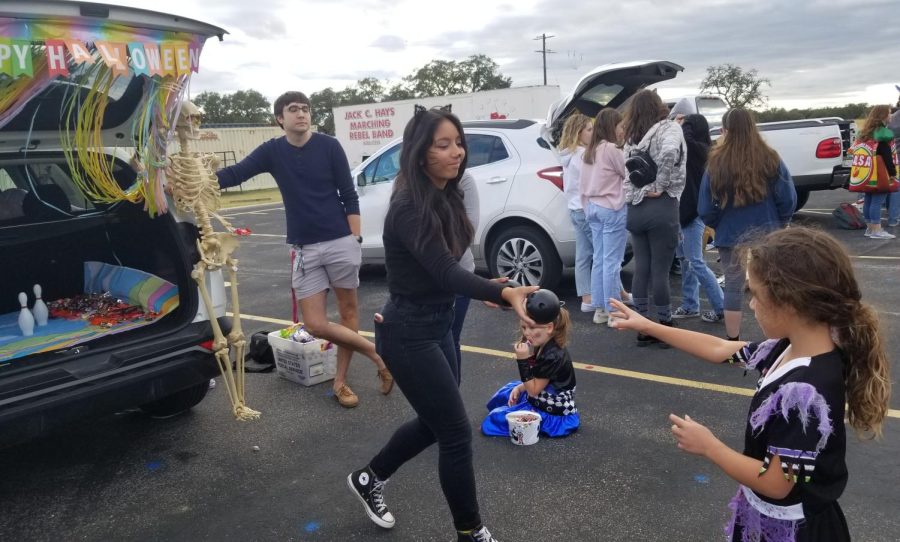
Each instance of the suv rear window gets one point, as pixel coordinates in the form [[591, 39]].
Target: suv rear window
[[41, 188]]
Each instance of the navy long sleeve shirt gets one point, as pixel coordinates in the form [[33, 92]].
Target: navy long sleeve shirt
[[735, 225], [315, 185]]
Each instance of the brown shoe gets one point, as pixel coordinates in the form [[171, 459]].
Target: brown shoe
[[387, 381], [345, 397]]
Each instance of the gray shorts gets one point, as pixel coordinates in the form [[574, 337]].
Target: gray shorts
[[319, 266]]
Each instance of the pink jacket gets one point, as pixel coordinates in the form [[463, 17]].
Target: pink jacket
[[602, 183]]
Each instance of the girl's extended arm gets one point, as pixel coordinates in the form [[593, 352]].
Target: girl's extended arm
[[705, 347], [696, 439]]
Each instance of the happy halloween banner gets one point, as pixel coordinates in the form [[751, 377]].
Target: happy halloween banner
[[64, 44], [140, 58]]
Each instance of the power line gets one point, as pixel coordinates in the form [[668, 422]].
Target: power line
[[544, 51]]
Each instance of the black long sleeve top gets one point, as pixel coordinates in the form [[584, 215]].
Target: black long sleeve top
[[426, 273]]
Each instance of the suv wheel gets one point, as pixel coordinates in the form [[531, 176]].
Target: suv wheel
[[178, 402], [526, 255]]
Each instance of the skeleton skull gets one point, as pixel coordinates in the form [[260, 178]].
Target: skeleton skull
[[188, 124]]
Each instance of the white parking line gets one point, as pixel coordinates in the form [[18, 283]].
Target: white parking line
[[661, 379]]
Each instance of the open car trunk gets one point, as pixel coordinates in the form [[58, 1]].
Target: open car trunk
[[53, 236]]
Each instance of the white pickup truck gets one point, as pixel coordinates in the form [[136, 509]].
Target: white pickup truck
[[814, 150]]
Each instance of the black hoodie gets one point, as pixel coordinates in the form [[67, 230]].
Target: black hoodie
[[696, 137]]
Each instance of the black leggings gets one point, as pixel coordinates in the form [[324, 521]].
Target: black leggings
[[417, 346], [653, 224]]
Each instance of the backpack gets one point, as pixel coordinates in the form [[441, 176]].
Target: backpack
[[848, 217], [261, 352]]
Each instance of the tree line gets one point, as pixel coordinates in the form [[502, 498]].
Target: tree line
[[736, 86]]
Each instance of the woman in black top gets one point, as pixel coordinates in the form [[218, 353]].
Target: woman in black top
[[425, 233]]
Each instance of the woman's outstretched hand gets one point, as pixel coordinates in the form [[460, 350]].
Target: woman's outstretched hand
[[516, 297], [627, 318], [692, 437]]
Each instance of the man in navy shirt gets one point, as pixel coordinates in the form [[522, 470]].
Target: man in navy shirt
[[322, 214]]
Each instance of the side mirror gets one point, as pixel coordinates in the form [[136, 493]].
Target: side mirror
[[361, 179]]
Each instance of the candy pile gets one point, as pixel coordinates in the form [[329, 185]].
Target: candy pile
[[296, 333], [99, 309]]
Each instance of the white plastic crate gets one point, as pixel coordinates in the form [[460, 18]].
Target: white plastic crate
[[304, 363]]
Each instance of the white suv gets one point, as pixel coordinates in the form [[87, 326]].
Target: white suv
[[524, 232]]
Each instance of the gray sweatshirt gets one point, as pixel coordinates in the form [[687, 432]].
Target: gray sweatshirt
[[666, 146], [473, 211]]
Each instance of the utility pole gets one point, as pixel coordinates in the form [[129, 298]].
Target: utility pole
[[544, 51]]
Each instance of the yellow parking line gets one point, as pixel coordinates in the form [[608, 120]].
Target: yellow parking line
[[696, 384]]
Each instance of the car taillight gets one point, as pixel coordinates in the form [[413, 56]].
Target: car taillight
[[552, 174], [208, 345], [829, 148]]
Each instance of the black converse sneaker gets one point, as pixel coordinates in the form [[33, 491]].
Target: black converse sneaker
[[369, 490], [478, 535]]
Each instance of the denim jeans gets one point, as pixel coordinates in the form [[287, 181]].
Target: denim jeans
[[584, 252], [872, 204], [609, 236], [417, 346], [893, 204], [695, 272]]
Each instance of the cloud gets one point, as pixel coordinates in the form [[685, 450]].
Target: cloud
[[389, 43], [805, 50]]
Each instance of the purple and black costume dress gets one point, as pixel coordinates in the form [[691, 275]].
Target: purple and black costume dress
[[797, 413], [555, 403]]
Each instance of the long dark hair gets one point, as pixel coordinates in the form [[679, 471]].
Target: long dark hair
[[741, 164], [441, 212], [644, 110]]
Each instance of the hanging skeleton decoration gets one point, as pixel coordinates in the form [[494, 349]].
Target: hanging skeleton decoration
[[195, 189]]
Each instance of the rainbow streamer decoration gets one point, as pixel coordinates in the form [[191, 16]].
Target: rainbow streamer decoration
[[95, 58]]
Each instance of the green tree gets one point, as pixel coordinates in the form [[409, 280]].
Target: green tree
[[321, 104], [848, 112], [737, 87], [441, 77], [241, 107]]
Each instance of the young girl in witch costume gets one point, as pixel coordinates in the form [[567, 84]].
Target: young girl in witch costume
[[547, 383], [823, 349]]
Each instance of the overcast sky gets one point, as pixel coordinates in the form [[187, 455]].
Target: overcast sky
[[815, 52]]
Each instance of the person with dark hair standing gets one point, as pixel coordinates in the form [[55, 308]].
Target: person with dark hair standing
[[694, 271], [746, 192], [426, 232], [652, 216], [321, 207]]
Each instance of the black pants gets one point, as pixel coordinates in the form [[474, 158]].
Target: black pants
[[417, 346], [653, 224]]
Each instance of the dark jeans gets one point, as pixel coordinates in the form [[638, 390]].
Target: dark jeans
[[460, 308], [417, 346], [653, 224]]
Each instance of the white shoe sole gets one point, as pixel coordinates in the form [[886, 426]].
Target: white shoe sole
[[375, 519]]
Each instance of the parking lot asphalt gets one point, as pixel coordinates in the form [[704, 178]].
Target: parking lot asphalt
[[200, 477]]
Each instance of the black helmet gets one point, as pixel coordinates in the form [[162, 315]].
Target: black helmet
[[542, 306]]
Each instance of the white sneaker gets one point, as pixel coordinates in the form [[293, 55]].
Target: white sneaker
[[587, 307], [601, 316], [628, 299], [881, 234]]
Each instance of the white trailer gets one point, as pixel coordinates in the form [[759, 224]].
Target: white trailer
[[363, 129]]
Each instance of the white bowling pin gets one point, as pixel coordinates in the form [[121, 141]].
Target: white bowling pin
[[26, 320], [40, 311]]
